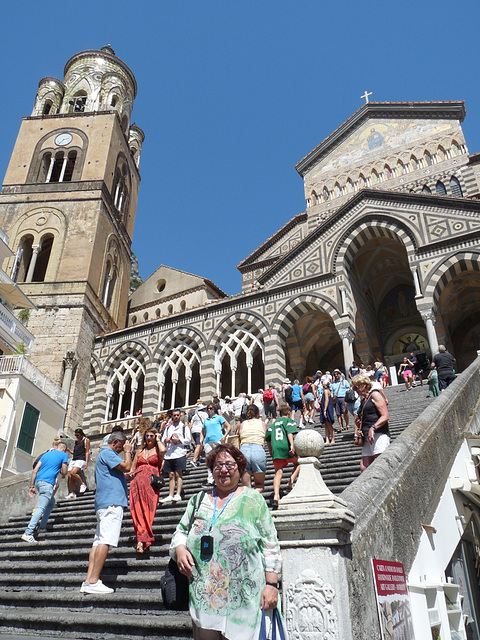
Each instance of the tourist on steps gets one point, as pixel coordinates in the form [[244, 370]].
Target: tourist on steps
[[143, 495], [43, 479], [79, 462], [371, 420], [231, 554], [110, 498]]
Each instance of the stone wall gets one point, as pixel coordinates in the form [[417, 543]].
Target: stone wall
[[400, 491]]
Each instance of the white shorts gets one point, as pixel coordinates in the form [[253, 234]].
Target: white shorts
[[81, 464], [109, 523], [381, 443]]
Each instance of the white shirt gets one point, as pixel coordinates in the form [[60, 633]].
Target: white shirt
[[184, 435]]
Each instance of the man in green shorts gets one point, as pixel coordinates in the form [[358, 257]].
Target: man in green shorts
[[279, 439]]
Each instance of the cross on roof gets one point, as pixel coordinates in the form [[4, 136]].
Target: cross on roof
[[365, 95]]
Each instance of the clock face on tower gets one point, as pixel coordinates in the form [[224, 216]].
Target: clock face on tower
[[63, 138]]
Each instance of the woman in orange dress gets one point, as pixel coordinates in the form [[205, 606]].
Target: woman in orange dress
[[144, 497]]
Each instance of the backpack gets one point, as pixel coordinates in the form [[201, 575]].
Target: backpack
[[306, 388], [243, 412], [268, 395], [350, 395], [288, 393]]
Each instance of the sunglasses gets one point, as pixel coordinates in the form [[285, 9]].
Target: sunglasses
[[149, 436]]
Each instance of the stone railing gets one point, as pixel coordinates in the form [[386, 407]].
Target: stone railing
[[15, 328], [20, 365]]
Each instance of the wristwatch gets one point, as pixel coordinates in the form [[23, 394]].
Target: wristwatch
[[272, 584]]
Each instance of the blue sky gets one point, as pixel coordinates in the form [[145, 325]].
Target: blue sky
[[232, 94]]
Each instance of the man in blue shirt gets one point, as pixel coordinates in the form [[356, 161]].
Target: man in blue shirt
[[110, 498], [44, 476], [338, 388]]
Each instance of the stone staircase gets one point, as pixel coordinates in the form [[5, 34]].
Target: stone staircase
[[39, 584]]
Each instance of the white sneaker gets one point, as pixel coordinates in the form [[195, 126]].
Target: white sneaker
[[176, 497], [83, 488], [27, 537], [71, 495], [166, 499], [97, 587], [82, 588]]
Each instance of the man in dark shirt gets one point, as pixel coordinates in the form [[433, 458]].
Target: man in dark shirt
[[444, 362]]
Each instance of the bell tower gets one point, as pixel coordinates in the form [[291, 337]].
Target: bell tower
[[68, 206]]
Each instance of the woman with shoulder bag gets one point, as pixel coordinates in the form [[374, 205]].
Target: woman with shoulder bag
[[231, 554], [371, 420], [145, 487]]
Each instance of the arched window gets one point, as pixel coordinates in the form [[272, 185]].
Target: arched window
[[125, 388], [240, 351], [314, 198], [183, 305], [456, 149], [134, 319], [428, 159], [113, 101], [400, 168], [35, 258], [375, 178], [47, 107], [455, 187], [326, 194], [57, 168], [110, 278], [387, 172], [350, 187], [413, 163], [361, 181], [426, 189], [337, 190], [441, 155], [170, 308], [120, 189], [145, 316], [179, 374], [157, 313], [440, 188], [78, 103]]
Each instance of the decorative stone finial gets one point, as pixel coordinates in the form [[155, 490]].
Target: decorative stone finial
[[309, 443], [108, 49]]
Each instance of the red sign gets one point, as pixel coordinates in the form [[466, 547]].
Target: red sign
[[389, 578]]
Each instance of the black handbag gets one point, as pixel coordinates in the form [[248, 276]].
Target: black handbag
[[156, 481], [173, 584]]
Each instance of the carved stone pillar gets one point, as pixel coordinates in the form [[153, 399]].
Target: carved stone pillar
[[314, 527], [70, 361], [429, 319], [347, 337]]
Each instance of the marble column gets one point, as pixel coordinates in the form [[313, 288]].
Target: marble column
[[347, 337], [33, 262], [429, 319], [314, 528]]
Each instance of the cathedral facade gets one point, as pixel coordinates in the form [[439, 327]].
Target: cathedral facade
[[383, 261]]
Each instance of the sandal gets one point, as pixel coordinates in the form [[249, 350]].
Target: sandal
[[139, 547]]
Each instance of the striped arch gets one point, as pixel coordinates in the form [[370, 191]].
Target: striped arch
[[296, 307], [126, 349], [168, 342], [359, 234], [178, 362], [448, 270], [238, 353], [229, 321]]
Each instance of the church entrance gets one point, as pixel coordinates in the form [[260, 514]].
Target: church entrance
[[388, 323]]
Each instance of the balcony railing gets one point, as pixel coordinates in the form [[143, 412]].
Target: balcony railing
[[20, 365], [14, 329]]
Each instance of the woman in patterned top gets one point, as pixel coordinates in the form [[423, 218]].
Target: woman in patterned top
[[231, 554]]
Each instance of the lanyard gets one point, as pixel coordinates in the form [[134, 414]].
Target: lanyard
[[214, 516]]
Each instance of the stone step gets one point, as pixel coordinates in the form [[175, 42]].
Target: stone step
[[171, 625], [48, 575]]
